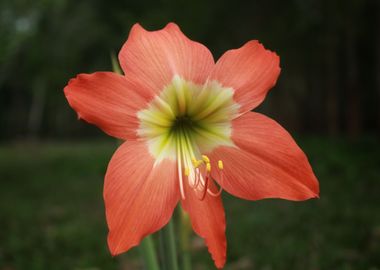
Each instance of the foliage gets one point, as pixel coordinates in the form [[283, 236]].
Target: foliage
[[52, 214], [327, 48]]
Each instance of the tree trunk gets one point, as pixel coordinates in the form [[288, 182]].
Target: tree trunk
[[377, 52], [353, 115], [332, 85], [37, 108]]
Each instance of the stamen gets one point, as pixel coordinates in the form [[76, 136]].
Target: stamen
[[208, 167], [220, 187], [179, 161], [205, 188], [187, 171], [220, 165], [198, 177], [197, 163], [205, 159], [199, 181]]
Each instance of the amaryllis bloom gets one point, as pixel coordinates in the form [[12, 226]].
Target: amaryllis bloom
[[189, 133]]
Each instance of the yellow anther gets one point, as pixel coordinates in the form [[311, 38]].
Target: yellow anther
[[208, 167], [187, 171], [205, 159], [194, 161], [220, 164]]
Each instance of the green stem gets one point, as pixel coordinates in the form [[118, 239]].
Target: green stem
[[185, 233], [168, 246], [148, 253], [115, 64]]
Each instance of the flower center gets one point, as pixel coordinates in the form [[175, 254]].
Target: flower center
[[182, 123], [185, 121]]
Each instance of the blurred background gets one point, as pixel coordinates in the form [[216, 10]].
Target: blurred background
[[327, 96]]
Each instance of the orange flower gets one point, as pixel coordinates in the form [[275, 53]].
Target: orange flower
[[187, 125]]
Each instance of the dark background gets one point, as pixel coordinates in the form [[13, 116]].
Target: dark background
[[327, 96]]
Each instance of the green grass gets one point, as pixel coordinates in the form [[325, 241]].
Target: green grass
[[52, 213]]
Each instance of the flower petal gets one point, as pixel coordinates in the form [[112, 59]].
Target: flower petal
[[107, 100], [250, 70], [139, 195], [155, 57], [266, 162], [208, 221]]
